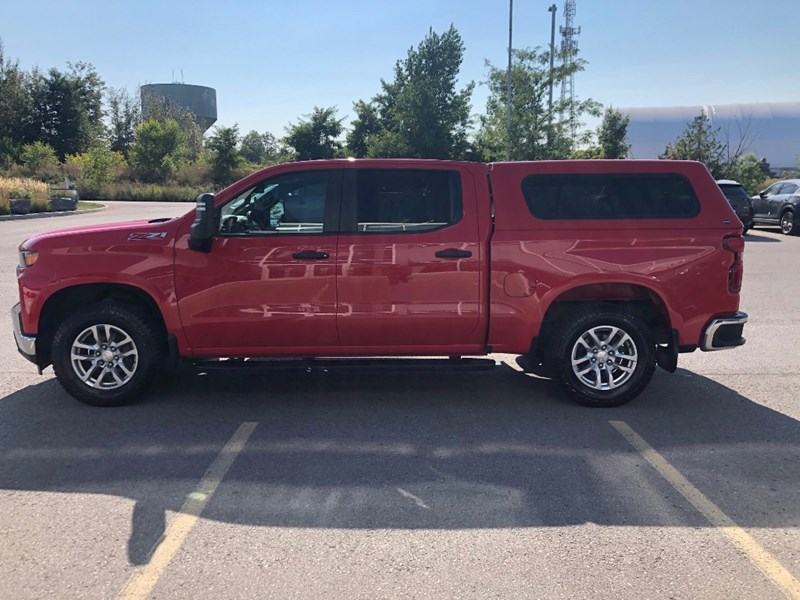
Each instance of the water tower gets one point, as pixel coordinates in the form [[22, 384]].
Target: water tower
[[199, 100]]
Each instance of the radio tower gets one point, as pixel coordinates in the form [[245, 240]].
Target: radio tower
[[569, 50]]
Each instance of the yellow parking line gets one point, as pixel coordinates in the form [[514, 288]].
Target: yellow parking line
[[142, 581], [762, 559]]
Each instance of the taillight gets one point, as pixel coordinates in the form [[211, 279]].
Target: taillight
[[735, 245]]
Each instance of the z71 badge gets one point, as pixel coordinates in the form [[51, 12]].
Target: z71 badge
[[142, 235]]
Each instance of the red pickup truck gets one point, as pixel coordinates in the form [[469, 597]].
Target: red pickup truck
[[594, 271]]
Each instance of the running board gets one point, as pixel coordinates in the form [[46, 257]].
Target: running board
[[344, 364]]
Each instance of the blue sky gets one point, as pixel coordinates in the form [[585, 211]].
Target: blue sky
[[271, 62]]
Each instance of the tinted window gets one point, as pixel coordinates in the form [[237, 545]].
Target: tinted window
[[289, 203], [788, 188], [773, 189], [407, 200], [734, 192], [652, 196]]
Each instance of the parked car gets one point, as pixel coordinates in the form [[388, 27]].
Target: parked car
[[739, 200], [779, 204], [596, 271]]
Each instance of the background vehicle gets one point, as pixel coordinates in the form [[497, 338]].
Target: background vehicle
[[779, 204], [739, 200], [590, 269]]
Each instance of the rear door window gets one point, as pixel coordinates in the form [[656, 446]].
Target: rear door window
[[406, 200], [789, 188], [610, 196]]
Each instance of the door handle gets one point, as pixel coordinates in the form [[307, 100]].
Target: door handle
[[310, 255], [453, 253]]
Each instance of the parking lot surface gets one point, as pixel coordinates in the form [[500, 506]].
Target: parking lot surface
[[409, 484]]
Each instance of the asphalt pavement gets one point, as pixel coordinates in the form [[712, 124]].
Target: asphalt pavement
[[410, 484]]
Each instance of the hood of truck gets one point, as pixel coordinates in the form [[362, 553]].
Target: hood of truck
[[128, 231]]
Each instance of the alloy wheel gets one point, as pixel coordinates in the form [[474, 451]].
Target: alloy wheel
[[604, 357], [104, 357]]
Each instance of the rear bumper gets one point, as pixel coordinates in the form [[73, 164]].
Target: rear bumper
[[26, 344], [724, 332]]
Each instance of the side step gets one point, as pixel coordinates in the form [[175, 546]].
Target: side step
[[345, 364]]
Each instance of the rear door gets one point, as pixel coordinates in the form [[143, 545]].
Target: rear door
[[779, 201], [409, 262]]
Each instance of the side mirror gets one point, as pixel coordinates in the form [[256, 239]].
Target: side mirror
[[762, 194], [203, 227]]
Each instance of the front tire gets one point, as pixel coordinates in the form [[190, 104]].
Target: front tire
[[106, 354], [603, 356]]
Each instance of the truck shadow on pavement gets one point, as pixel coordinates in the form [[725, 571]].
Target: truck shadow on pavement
[[408, 450]]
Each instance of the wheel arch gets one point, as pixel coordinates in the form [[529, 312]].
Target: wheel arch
[[67, 299], [642, 300]]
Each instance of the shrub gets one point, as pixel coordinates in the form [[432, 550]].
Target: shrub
[[195, 174], [40, 161], [17, 187], [142, 192], [159, 151], [95, 168]]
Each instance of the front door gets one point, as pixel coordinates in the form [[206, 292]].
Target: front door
[[268, 285], [761, 202], [409, 262]]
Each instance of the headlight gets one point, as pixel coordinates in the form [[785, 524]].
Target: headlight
[[27, 258]]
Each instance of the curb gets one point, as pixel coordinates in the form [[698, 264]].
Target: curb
[[44, 215]]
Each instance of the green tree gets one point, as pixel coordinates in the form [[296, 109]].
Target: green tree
[[223, 144], [612, 135], [592, 152], [68, 108], [253, 149], [536, 132], [261, 148], [15, 109], [746, 169], [156, 106], [700, 141], [316, 137], [420, 113], [40, 160], [366, 125], [123, 116], [160, 148], [100, 165]]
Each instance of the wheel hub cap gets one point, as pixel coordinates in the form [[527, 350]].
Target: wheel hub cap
[[104, 357], [604, 357]]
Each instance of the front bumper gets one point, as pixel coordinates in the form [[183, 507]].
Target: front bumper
[[26, 344], [724, 332]]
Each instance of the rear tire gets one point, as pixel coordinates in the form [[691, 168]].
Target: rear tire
[[107, 353], [603, 356], [789, 224]]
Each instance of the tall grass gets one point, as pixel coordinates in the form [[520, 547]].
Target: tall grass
[[22, 187], [141, 191]]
